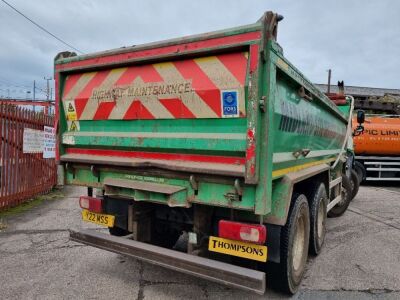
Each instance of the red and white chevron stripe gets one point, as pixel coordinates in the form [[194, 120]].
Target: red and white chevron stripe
[[189, 88]]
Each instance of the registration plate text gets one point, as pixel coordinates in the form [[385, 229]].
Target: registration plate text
[[100, 219]]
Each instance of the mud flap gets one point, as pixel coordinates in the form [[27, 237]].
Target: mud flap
[[213, 270]]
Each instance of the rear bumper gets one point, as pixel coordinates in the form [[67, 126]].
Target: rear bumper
[[220, 272], [185, 166]]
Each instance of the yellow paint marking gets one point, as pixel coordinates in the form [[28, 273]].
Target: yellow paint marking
[[282, 64], [281, 172]]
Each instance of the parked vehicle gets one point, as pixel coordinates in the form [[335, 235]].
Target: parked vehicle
[[343, 102], [378, 149], [214, 155]]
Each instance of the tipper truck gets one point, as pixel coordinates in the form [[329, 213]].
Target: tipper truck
[[211, 154], [377, 149]]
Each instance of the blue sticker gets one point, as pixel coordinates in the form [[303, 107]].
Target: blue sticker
[[229, 103]]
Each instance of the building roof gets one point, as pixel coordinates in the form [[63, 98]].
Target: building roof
[[358, 90]]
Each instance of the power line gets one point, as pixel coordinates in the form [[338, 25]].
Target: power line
[[41, 27], [16, 86], [11, 85], [7, 82], [39, 89]]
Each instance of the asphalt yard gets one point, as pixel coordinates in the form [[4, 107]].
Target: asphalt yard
[[360, 259]]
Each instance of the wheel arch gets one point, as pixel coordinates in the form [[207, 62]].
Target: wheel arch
[[295, 182], [303, 187]]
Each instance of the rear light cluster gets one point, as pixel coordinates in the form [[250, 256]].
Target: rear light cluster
[[91, 204], [253, 233]]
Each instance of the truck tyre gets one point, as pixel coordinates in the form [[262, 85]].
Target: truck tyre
[[354, 183], [360, 170], [116, 231], [318, 208], [294, 245], [343, 204]]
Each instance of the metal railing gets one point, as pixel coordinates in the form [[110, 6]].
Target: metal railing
[[24, 174]]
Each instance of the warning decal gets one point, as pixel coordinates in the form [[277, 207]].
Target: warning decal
[[71, 111], [230, 103], [73, 125], [49, 142]]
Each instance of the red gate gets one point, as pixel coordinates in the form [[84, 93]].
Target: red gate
[[23, 175]]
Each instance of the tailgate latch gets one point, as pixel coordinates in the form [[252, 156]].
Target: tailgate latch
[[237, 195], [194, 184], [261, 103]]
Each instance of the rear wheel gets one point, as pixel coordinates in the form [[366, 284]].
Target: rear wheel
[[343, 204], [318, 207], [360, 170], [294, 245], [354, 183]]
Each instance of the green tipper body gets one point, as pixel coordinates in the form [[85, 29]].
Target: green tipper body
[[219, 119]]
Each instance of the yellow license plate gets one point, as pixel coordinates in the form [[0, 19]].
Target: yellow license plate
[[236, 248], [100, 219]]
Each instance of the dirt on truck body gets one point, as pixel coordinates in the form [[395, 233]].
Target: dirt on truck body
[[213, 154]]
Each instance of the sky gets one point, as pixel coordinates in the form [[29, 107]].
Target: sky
[[358, 40]]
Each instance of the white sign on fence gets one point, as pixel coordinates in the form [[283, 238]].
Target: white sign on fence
[[33, 141], [49, 142]]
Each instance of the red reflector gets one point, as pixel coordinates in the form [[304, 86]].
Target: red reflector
[[91, 204], [253, 233]]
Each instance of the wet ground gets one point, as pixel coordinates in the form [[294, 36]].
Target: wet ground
[[360, 259]]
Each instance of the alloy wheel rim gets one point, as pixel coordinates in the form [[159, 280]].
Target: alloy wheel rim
[[298, 244], [321, 221]]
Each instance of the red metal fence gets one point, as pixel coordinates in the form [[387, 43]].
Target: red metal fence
[[23, 175]]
